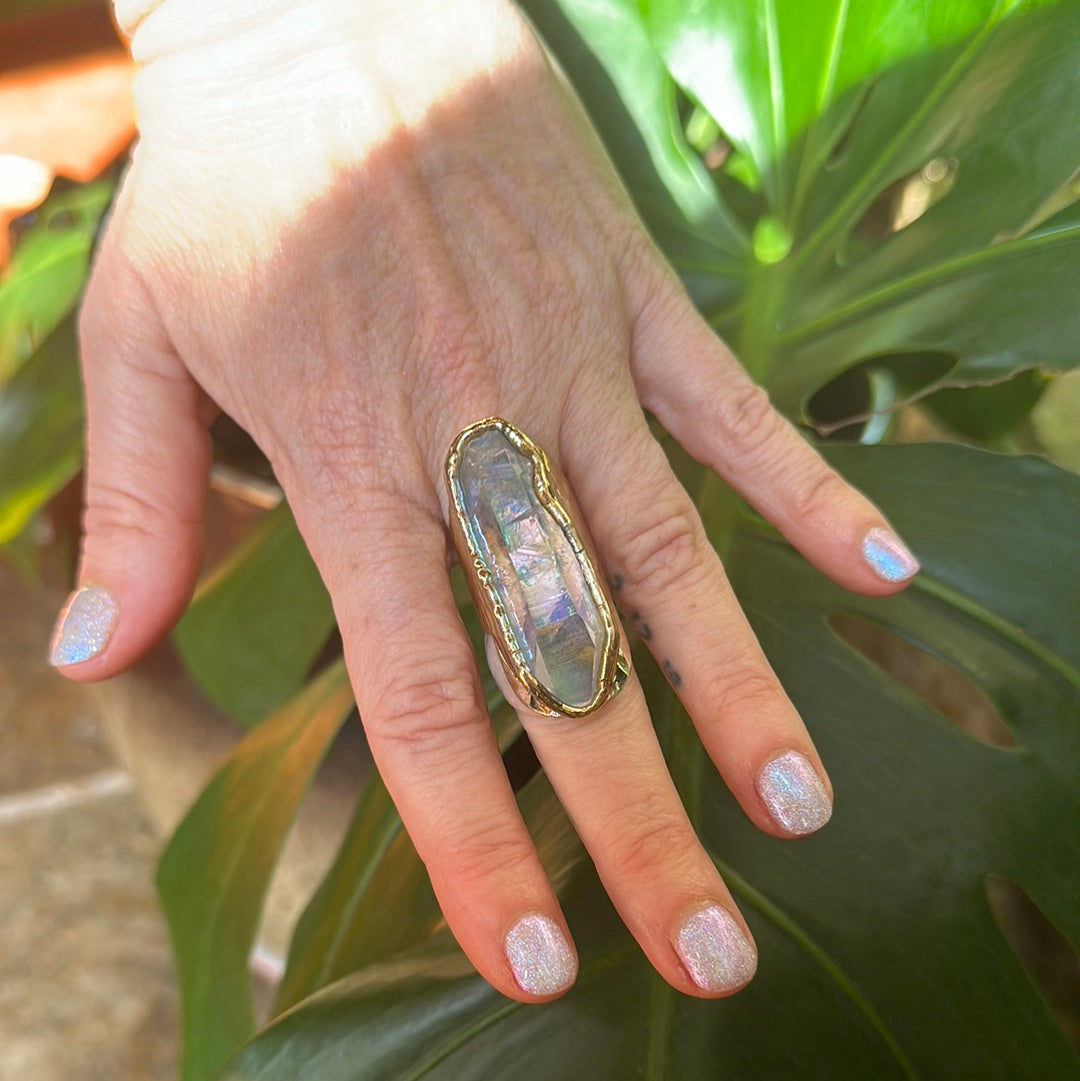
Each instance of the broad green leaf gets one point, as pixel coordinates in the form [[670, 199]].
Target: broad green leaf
[[46, 273], [41, 429], [879, 954], [374, 901], [214, 875], [258, 622], [834, 105]]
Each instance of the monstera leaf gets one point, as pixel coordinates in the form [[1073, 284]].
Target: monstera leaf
[[852, 190], [800, 246]]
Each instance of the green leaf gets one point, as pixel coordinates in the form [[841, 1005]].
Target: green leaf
[[41, 429], [258, 622], [879, 954], [46, 273], [216, 870], [374, 901], [843, 108]]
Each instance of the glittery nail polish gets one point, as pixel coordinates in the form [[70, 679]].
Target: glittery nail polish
[[887, 556], [794, 794], [84, 627], [714, 950], [543, 961]]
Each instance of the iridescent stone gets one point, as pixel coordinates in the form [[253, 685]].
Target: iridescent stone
[[554, 618]]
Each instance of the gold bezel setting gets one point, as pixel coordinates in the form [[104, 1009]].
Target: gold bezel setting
[[613, 667]]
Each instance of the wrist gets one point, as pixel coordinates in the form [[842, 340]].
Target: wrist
[[248, 116], [381, 60]]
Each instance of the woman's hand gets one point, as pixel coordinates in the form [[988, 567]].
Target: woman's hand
[[357, 236]]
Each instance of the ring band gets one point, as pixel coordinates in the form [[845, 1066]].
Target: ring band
[[530, 574]]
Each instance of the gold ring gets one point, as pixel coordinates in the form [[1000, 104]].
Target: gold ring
[[530, 574]]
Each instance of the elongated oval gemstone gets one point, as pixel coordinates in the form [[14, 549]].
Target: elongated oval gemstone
[[536, 567]]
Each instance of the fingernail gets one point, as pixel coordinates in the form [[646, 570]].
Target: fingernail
[[84, 627], [716, 953], [794, 794], [888, 556], [543, 961]]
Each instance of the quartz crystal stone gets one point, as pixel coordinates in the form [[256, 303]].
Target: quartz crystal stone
[[553, 616]]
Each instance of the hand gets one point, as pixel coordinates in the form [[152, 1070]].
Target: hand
[[357, 236]]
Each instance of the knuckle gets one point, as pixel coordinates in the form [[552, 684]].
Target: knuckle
[[819, 494], [744, 691], [113, 510], [748, 420], [652, 840], [666, 551], [429, 718], [484, 851]]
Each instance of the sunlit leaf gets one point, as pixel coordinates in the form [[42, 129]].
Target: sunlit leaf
[[834, 103]]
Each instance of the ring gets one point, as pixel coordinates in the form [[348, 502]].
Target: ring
[[531, 576]]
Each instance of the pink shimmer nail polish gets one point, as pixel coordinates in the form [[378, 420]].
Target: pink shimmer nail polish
[[543, 961], [887, 556], [85, 626], [714, 950], [794, 794]]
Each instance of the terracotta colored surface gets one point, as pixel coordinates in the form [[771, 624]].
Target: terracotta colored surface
[[65, 103]]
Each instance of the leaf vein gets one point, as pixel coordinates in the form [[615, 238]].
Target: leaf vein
[[937, 272], [870, 178], [781, 920]]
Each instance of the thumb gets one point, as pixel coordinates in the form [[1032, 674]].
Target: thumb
[[148, 460]]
